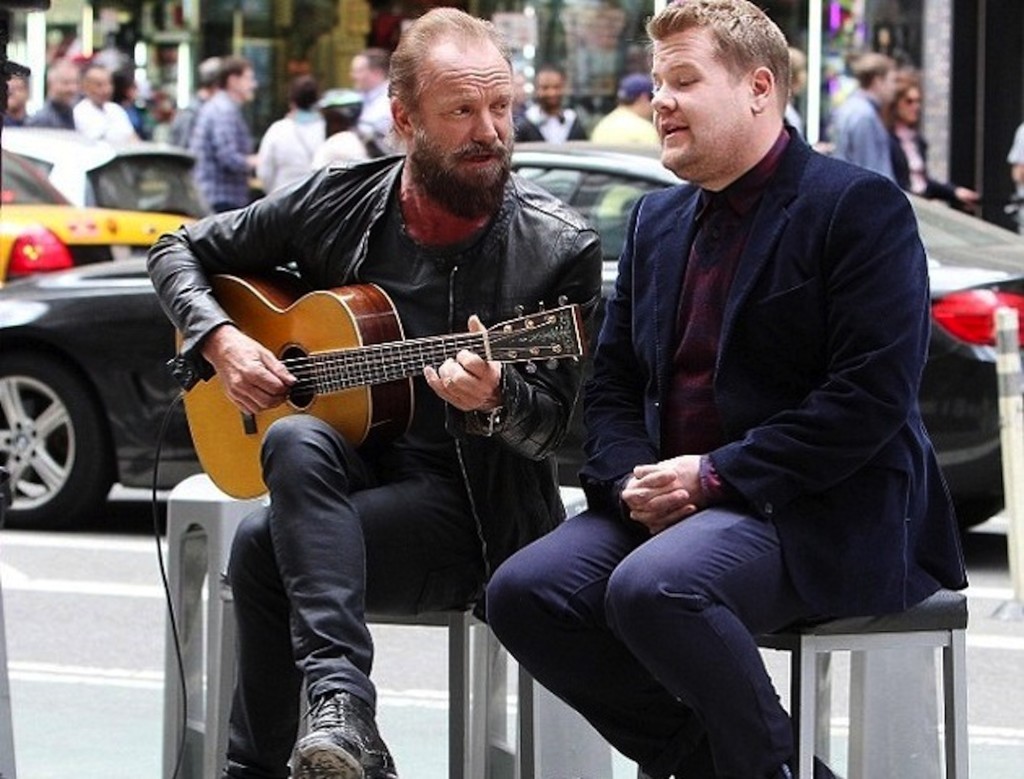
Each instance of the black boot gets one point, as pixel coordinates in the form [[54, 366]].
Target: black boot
[[342, 742]]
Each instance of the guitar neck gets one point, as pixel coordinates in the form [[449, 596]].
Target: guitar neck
[[340, 369]]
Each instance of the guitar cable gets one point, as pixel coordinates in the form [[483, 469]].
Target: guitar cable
[[172, 619]]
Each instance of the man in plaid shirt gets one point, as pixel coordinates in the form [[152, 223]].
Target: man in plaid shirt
[[222, 142]]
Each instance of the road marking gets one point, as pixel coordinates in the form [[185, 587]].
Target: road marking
[[15, 580], [435, 700], [989, 641], [91, 542], [989, 593], [75, 674], [18, 581], [54, 673]]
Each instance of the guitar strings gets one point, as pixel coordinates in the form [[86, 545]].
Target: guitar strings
[[378, 363]]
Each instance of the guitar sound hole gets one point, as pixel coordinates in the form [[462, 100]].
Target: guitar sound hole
[[304, 391]]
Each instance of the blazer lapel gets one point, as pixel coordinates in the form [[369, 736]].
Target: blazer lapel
[[669, 248], [769, 222]]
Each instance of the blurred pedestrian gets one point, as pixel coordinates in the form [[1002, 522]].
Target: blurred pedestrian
[[185, 118], [910, 150], [63, 88], [340, 109], [1015, 159], [547, 118], [520, 97], [797, 83], [858, 132], [96, 115], [16, 110], [287, 148], [369, 73], [163, 114], [630, 123], [126, 95], [222, 142]]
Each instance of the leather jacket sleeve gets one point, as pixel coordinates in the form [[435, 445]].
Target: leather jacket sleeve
[[538, 399], [296, 225]]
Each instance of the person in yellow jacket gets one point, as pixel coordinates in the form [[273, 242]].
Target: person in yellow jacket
[[631, 122]]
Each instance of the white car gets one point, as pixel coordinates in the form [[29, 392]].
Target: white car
[[140, 176]]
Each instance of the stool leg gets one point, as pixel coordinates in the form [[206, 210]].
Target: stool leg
[[804, 672], [186, 574], [221, 685], [823, 702], [954, 690], [501, 754], [527, 749], [459, 679]]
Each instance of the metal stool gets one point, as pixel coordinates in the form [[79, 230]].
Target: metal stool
[[938, 622], [201, 522]]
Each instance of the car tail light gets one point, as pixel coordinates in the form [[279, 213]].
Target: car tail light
[[37, 250], [970, 314]]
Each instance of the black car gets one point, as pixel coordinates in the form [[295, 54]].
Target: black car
[[84, 388]]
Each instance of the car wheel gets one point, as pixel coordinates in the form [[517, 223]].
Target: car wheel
[[53, 441], [975, 511]]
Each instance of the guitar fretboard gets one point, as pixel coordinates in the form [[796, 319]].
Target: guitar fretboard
[[340, 369]]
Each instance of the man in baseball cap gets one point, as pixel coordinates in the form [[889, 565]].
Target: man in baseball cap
[[630, 123]]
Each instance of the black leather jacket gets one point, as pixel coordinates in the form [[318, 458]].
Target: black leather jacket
[[540, 251]]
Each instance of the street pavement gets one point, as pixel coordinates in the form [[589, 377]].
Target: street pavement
[[85, 615]]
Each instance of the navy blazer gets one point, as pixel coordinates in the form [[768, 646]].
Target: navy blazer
[[824, 338]]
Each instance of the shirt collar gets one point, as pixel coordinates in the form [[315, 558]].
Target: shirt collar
[[744, 192]]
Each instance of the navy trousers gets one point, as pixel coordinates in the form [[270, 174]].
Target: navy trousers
[[651, 638], [342, 536]]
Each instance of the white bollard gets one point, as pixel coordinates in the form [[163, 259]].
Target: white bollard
[[1011, 425]]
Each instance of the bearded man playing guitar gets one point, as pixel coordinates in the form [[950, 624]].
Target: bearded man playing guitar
[[412, 246]]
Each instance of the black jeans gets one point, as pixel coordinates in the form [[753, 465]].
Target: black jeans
[[651, 638], [341, 537]]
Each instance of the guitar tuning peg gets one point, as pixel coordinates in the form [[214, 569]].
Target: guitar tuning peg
[[519, 310], [551, 364], [563, 300], [531, 368], [540, 306]]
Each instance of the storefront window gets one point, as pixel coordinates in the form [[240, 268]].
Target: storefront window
[[848, 28], [595, 41]]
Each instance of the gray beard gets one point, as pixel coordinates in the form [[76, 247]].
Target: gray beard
[[469, 196]]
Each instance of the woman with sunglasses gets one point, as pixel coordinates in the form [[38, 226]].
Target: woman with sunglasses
[[910, 150]]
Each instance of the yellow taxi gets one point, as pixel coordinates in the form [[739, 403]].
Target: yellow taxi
[[41, 231], [67, 200]]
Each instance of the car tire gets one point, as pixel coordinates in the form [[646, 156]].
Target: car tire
[[976, 511], [54, 442]]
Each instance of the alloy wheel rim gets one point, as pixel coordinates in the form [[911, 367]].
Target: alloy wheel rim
[[37, 441]]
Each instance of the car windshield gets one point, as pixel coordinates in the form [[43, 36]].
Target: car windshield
[[605, 200], [153, 183], [23, 185]]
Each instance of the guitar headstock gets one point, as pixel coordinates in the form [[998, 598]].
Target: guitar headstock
[[545, 335]]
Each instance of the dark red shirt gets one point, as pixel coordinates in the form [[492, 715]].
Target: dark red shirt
[[690, 421]]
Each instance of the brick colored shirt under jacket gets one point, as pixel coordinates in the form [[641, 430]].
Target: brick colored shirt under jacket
[[690, 421]]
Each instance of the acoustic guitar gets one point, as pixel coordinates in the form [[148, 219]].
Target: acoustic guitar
[[353, 367]]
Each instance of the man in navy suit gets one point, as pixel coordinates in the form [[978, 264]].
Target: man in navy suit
[[755, 454]]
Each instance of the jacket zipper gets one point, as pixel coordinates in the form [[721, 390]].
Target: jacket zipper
[[458, 443]]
